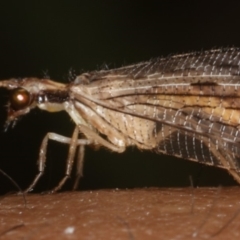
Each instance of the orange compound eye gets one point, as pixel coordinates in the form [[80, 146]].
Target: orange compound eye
[[19, 98]]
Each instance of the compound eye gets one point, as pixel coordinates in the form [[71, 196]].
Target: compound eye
[[19, 98]]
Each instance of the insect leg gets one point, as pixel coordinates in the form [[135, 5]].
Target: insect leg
[[79, 167], [92, 138], [74, 141], [97, 140]]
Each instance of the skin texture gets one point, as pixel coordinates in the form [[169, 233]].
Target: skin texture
[[150, 213]]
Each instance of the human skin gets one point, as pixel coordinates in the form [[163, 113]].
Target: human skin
[[147, 213]]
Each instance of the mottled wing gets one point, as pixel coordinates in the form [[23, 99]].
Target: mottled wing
[[184, 105]]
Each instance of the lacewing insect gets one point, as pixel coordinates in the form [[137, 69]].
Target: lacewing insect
[[186, 106]]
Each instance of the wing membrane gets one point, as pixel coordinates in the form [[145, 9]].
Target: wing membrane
[[186, 105]]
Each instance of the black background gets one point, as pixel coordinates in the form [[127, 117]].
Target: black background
[[39, 38]]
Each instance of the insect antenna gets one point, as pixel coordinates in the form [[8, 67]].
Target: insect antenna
[[16, 185]]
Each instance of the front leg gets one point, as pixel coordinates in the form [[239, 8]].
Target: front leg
[[92, 138], [73, 142]]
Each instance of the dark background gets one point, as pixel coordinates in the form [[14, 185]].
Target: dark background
[[39, 38]]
